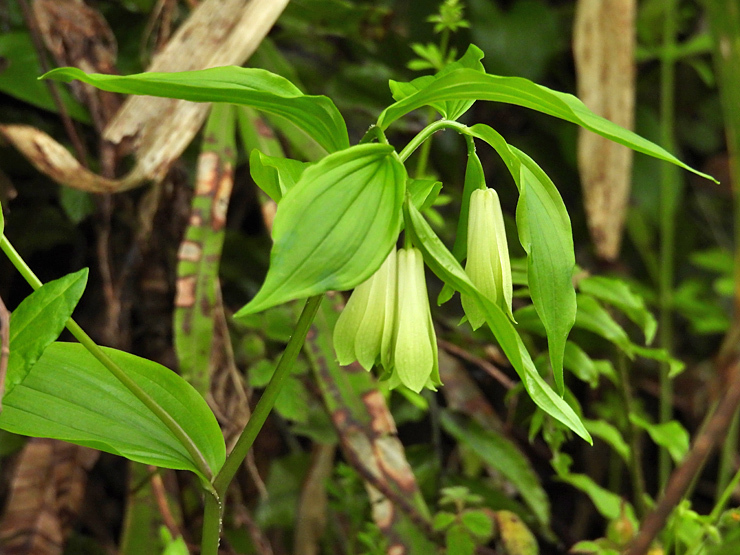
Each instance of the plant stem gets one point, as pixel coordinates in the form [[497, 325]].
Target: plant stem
[[172, 425], [669, 193], [633, 437], [427, 132], [212, 517]]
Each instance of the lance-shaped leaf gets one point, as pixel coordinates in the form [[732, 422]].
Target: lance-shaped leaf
[[469, 84], [443, 264], [545, 233], [38, 320], [274, 175], [69, 395], [335, 226], [315, 115]]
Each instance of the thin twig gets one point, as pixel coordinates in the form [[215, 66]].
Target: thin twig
[[4, 347], [684, 474], [69, 127], [160, 496], [482, 363]]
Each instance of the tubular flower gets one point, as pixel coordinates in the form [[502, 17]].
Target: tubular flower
[[488, 265], [364, 330], [415, 348]]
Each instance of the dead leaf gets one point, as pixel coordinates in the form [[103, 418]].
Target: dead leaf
[[603, 46]]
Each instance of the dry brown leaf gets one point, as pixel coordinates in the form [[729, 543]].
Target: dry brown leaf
[[45, 496], [603, 45], [157, 130]]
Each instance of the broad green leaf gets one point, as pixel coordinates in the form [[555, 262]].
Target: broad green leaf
[[442, 520], [469, 84], [503, 456], [545, 233], [611, 435], [274, 175], [618, 294], [669, 435], [335, 227], [37, 322], [315, 115], [70, 395], [443, 264], [447, 109]]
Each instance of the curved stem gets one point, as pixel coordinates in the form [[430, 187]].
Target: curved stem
[[172, 425], [427, 132]]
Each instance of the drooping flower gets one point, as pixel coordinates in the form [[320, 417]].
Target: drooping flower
[[365, 328], [415, 347], [488, 265]]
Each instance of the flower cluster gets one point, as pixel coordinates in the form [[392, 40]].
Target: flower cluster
[[387, 320]]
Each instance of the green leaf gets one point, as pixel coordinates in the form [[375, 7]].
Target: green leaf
[[70, 395], [593, 317], [618, 294], [335, 227], [447, 109], [503, 456], [275, 176], [469, 84], [584, 367], [443, 520], [2, 221], [669, 435], [315, 115], [444, 265], [423, 192], [19, 76], [608, 504], [611, 435], [478, 523], [545, 233], [37, 322], [458, 541]]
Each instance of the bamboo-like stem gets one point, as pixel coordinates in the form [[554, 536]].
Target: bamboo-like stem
[[172, 425]]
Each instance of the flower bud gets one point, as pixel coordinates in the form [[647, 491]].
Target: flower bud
[[488, 265], [415, 348], [364, 330]]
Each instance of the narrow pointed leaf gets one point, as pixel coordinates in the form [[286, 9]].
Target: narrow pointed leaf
[[37, 322], [317, 116], [443, 264], [69, 395], [469, 84], [335, 227]]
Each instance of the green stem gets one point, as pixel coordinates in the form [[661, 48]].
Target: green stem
[[212, 518], [164, 417], [724, 498], [669, 197], [427, 132]]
